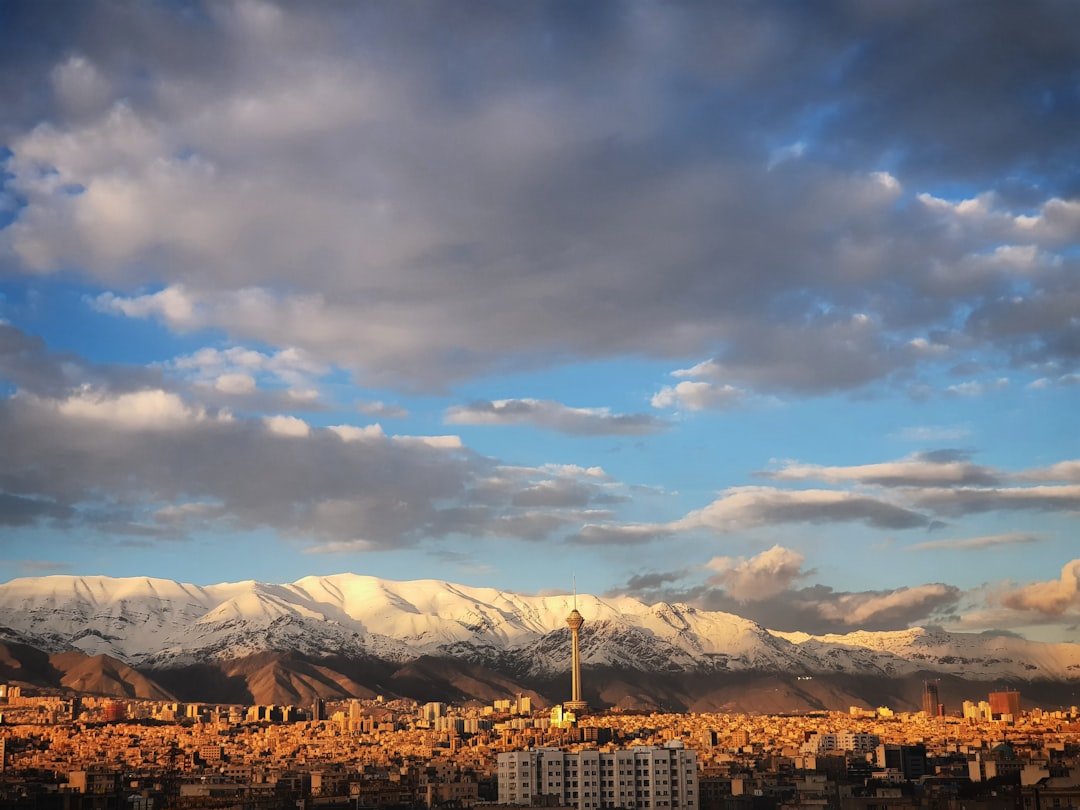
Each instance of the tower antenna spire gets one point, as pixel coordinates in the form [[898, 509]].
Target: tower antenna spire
[[575, 591]]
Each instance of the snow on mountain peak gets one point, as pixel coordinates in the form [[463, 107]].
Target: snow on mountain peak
[[160, 623]]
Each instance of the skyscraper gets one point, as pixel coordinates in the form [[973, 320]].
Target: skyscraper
[[574, 620], [931, 703], [1005, 704]]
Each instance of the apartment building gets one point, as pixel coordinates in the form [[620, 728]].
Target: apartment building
[[652, 777]]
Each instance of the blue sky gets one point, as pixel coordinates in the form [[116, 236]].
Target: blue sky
[[766, 308]]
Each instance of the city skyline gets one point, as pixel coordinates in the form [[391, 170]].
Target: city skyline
[[768, 310]]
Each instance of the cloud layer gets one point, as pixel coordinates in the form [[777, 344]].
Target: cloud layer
[[315, 216], [334, 180]]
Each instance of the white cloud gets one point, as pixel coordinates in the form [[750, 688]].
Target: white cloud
[[137, 410], [1061, 471], [915, 471], [1053, 598], [698, 396], [284, 425], [760, 577], [351, 433], [235, 383]]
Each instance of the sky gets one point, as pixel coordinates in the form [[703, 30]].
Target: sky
[[769, 308]]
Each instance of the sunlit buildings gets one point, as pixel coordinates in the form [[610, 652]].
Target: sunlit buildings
[[638, 777], [1005, 704]]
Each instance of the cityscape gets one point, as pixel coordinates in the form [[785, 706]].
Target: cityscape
[[585, 404], [80, 751]]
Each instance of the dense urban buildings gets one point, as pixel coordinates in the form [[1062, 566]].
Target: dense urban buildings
[[69, 752]]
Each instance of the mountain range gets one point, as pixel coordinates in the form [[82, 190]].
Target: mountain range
[[349, 635]]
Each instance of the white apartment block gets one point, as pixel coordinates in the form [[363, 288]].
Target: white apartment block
[[859, 742], [644, 776]]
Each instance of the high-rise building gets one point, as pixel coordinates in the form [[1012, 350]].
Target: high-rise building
[[643, 777], [574, 620], [1005, 704], [931, 703]]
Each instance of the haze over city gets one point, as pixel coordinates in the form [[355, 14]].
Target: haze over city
[[764, 308]]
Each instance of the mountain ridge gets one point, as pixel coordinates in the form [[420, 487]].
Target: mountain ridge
[[158, 624]]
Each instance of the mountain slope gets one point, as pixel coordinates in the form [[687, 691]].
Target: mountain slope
[[158, 625]]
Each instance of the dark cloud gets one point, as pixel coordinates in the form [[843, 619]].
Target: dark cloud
[[967, 500], [735, 182], [29, 365], [817, 609], [977, 543], [625, 534], [750, 507], [147, 464], [17, 510], [652, 581]]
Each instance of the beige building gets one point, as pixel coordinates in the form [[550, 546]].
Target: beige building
[[643, 776]]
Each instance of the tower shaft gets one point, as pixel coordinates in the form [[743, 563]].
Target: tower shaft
[[574, 621]]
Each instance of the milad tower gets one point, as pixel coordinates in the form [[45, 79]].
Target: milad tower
[[574, 621]]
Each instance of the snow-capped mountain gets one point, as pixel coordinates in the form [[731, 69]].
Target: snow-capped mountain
[[160, 624]]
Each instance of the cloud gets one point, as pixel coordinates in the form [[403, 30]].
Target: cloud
[[698, 396], [1061, 471], [555, 416], [760, 577], [1062, 381], [977, 543], [815, 609], [968, 500], [313, 177], [751, 507], [1053, 598], [90, 458], [381, 410], [651, 581], [976, 388], [39, 568], [18, 510], [622, 534], [28, 364], [935, 433], [287, 426], [869, 609], [146, 410], [922, 469]]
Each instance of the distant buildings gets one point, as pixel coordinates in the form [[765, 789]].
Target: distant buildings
[[639, 777]]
